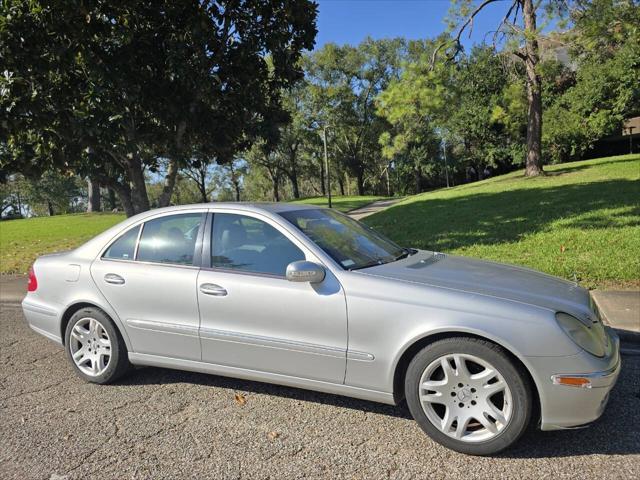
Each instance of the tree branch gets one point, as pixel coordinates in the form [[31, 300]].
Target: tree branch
[[461, 30]]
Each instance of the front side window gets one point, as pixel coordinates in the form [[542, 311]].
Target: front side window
[[123, 248], [350, 243], [239, 242], [170, 239]]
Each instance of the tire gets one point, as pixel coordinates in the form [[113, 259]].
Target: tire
[[495, 408], [99, 348]]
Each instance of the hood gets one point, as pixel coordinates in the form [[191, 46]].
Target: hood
[[487, 278]]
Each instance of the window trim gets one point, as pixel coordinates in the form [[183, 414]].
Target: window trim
[[207, 243]]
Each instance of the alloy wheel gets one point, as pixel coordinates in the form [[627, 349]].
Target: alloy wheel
[[465, 397], [90, 346]]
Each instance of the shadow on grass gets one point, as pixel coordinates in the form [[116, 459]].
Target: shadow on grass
[[504, 217], [617, 432]]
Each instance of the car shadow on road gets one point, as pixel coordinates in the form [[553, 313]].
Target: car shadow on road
[[617, 432]]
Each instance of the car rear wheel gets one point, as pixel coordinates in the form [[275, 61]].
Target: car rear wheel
[[468, 395], [94, 346]]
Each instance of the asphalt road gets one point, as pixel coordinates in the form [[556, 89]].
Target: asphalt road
[[168, 424]]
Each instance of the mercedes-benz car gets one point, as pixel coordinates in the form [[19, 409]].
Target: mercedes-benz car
[[307, 297]]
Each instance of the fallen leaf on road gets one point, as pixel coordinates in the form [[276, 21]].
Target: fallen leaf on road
[[241, 399], [273, 435]]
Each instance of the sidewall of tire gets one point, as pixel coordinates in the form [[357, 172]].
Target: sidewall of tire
[[119, 361], [515, 378]]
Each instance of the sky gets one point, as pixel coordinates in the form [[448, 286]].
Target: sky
[[350, 21]]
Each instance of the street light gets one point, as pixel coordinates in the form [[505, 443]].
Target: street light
[[446, 166], [326, 163]]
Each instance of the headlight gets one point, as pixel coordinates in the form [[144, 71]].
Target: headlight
[[586, 337]]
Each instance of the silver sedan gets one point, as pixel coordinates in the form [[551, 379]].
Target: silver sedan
[[309, 298]]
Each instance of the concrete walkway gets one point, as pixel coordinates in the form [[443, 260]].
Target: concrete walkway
[[13, 288], [621, 310], [372, 208]]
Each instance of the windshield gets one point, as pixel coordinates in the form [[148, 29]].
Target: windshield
[[350, 243]]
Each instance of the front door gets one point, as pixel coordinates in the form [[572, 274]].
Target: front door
[[253, 318], [149, 278]]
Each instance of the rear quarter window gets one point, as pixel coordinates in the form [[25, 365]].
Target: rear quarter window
[[124, 248]]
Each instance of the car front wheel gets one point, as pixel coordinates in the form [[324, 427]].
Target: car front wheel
[[468, 395], [94, 346]]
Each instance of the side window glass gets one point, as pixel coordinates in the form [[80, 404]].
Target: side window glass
[[244, 243], [170, 239], [123, 248]]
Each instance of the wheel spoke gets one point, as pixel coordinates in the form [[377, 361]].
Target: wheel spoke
[[79, 354], [486, 375], [449, 374], [461, 368], [461, 427], [493, 388], [495, 412], [448, 420], [486, 423]]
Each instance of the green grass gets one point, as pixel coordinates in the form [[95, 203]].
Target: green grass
[[344, 204], [21, 241], [581, 218]]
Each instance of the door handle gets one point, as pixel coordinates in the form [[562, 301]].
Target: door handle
[[114, 279], [213, 289]]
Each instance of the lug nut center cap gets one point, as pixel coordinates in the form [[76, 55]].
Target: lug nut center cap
[[464, 394]]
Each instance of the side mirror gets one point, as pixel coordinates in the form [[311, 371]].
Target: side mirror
[[304, 271]]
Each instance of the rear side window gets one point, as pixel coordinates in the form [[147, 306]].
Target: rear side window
[[124, 248], [170, 239]]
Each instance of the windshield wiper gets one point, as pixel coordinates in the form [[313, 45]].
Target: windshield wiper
[[406, 252], [375, 263]]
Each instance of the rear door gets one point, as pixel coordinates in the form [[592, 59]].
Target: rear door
[[255, 319], [148, 275]]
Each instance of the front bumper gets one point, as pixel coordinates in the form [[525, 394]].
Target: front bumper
[[565, 406]]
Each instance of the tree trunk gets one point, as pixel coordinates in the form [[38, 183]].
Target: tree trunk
[[202, 188], [139, 199], [169, 184], [112, 199], [340, 184], [124, 194], [276, 190], [294, 184], [360, 180], [534, 93], [50, 208], [93, 190]]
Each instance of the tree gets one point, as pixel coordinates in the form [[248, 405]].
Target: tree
[[604, 89], [344, 82], [110, 88], [520, 27]]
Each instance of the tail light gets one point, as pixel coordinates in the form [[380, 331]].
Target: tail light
[[33, 281]]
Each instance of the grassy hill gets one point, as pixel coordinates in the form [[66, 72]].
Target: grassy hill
[[581, 218], [21, 241]]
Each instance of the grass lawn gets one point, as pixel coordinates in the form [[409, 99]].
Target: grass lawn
[[21, 241], [344, 204], [582, 217]]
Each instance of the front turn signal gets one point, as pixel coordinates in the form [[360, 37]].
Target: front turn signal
[[571, 381]]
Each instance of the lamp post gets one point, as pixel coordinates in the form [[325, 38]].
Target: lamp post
[[630, 128], [326, 163], [446, 166]]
